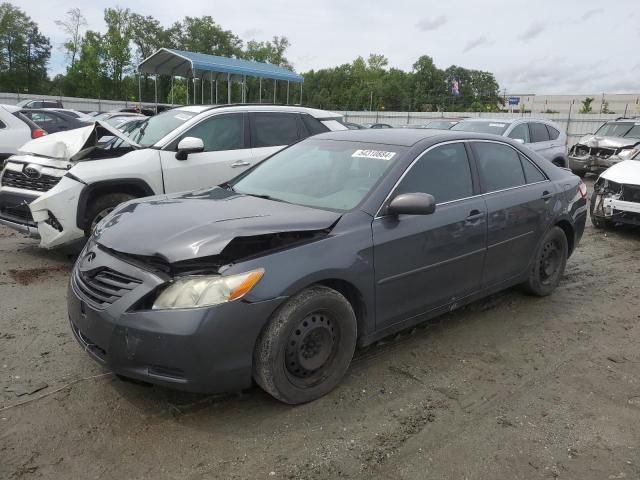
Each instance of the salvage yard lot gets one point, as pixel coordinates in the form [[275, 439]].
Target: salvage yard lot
[[511, 387]]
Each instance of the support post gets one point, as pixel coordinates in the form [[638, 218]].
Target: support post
[[172, 102], [194, 90], [260, 82], [202, 90], [216, 90], [228, 89], [300, 93], [139, 89], [244, 89], [275, 87], [155, 78], [187, 82], [211, 87], [287, 92]]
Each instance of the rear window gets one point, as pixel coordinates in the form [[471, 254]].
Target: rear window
[[273, 129], [495, 128]]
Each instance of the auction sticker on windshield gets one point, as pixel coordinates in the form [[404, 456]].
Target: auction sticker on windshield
[[377, 154]]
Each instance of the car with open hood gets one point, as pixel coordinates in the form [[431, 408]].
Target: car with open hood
[[336, 241], [616, 195], [612, 143], [59, 187]]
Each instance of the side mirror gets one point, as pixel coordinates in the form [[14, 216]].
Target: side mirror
[[412, 204], [189, 145], [519, 140]]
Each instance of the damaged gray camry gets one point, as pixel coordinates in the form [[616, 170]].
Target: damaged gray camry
[[334, 242]]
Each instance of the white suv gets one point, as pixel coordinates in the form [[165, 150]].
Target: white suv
[[58, 187]]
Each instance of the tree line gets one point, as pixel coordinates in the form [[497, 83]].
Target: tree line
[[103, 65]]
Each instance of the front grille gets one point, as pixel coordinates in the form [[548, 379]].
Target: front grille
[[581, 151], [102, 287], [14, 179], [630, 193]]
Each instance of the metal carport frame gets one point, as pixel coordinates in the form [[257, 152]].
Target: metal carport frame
[[178, 63]]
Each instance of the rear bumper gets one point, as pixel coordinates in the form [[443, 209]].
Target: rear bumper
[[621, 211]]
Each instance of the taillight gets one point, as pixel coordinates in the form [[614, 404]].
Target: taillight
[[37, 133], [583, 189]]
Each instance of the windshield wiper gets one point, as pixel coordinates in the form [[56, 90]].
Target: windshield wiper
[[227, 186]]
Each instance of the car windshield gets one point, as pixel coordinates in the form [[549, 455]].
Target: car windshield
[[327, 174], [496, 128], [159, 126], [613, 129]]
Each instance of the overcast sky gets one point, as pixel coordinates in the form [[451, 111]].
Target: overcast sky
[[542, 47]]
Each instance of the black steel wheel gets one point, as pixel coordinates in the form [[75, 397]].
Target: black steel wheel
[[549, 263], [307, 346]]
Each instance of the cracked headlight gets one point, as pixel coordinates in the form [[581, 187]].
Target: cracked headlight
[[206, 290]]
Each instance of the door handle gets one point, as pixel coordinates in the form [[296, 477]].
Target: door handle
[[546, 195], [240, 163], [474, 215]]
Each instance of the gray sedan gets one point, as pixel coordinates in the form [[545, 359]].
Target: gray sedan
[[336, 241]]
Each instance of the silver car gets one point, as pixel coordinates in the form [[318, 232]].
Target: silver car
[[540, 135], [612, 143]]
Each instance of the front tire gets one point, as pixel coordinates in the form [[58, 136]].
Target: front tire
[[307, 346], [101, 207], [548, 264]]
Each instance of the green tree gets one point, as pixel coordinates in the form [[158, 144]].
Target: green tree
[[88, 77], [203, 35], [24, 52], [586, 105], [117, 54], [72, 26]]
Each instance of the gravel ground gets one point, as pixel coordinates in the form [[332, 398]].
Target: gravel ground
[[511, 387]]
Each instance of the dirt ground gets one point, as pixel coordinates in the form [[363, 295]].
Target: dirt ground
[[512, 387]]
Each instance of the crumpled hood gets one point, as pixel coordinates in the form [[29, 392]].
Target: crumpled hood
[[595, 141], [626, 172], [72, 145], [199, 224]]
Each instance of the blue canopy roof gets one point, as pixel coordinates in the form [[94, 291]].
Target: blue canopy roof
[[167, 61]]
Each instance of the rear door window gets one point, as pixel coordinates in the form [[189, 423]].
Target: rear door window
[[442, 172], [271, 129], [554, 133], [520, 132], [539, 132], [314, 126], [499, 166]]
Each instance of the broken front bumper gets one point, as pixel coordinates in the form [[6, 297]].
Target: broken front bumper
[[15, 213], [591, 163]]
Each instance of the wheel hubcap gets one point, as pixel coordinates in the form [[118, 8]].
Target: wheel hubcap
[[311, 345]]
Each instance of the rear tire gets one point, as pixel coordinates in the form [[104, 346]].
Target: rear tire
[[307, 346], [548, 264], [101, 206]]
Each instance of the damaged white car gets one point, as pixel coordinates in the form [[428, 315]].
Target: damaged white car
[[612, 143], [616, 195], [59, 187]]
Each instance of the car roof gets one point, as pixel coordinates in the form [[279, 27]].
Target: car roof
[[405, 137], [314, 112], [490, 120]]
